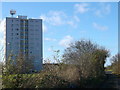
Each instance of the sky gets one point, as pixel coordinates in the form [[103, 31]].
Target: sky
[[66, 22]]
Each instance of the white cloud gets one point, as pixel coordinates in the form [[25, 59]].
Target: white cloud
[[44, 25], [76, 18], [50, 39], [99, 27], [57, 18], [2, 26], [2, 39], [50, 49], [81, 7], [44, 28], [66, 41], [2, 42], [43, 17], [54, 17], [104, 9], [71, 23], [2, 49], [2, 32]]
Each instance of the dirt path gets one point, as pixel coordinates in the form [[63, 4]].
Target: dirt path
[[112, 81]]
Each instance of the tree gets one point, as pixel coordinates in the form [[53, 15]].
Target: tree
[[116, 63], [87, 56], [100, 56], [15, 71], [19, 65]]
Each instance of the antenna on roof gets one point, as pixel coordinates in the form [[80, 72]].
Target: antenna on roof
[[12, 12]]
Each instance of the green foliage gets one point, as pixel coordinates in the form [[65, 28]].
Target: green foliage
[[17, 81], [18, 66], [115, 66], [88, 57], [52, 81], [14, 70]]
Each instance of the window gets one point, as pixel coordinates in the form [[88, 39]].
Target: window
[[17, 29], [26, 29], [12, 34], [17, 24], [26, 48], [17, 33]]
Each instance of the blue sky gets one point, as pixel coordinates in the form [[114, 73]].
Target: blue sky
[[65, 22]]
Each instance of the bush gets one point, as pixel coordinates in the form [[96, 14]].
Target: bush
[[115, 66]]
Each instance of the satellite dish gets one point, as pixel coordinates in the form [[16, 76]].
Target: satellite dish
[[12, 12]]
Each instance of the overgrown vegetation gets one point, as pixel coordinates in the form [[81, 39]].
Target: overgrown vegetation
[[115, 66], [89, 58], [82, 65]]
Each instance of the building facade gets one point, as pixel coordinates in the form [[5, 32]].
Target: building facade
[[24, 36]]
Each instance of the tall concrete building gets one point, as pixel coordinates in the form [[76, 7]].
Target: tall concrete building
[[25, 36]]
